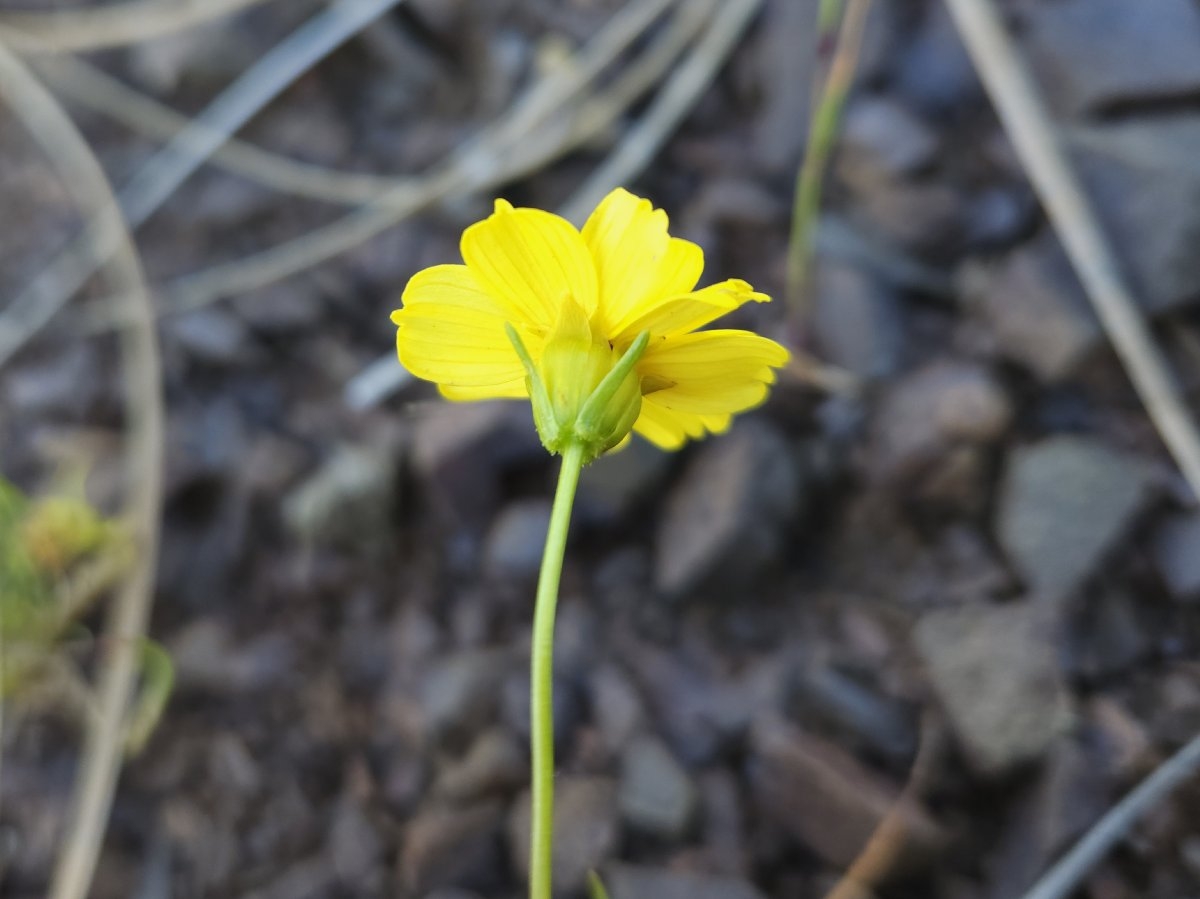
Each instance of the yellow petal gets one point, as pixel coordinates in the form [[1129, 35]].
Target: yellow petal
[[682, 314], [710, 372], [669, 429], [529, 261], [638, 263], [451, 332], [510, 390]]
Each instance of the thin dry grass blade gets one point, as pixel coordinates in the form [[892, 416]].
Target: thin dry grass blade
[[110, 26], [1065, 877]]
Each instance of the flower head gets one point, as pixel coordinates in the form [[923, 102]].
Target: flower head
[[598, 327]]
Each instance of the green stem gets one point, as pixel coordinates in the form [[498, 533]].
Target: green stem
[[541, 675], [822, 135]]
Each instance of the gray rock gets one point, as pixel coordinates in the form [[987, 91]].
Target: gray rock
[[637, 882], [1091, 54], [586, 829], [825, 799], [461, 693], [995, 670], [857, 321], [1032, 302], [724, 520], [932, 409], [495, 763], [617, 708], [1064, 504], [1176, 550], [882, 140], [656, 795], [515, 542], [452, 847], [1148, 203], [348, 500]]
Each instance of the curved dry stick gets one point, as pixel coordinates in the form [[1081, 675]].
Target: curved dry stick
[[110, 26], [882, 851], [1032, 132], [84, 178], [154, 182], [1062, 880]]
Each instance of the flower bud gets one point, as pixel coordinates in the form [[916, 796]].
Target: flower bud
[[584, 391]]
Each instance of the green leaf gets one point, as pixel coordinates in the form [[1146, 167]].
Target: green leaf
[[158, 680], [596, 888]]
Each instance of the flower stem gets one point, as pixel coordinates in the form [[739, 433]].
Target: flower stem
[[541, 675]]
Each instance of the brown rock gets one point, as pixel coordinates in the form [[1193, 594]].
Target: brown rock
[[932, 409], [826, 799], [724, 520], [445, 847], [495, 762]]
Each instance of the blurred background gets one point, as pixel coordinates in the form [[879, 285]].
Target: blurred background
[[943, 589]]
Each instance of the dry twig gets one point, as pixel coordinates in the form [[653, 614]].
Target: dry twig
[[162, 175], [1063, 879], [110, 26], [882, 852], [1032, 131], [84, 179]]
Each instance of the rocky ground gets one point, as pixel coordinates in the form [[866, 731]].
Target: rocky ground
[[984, 553]]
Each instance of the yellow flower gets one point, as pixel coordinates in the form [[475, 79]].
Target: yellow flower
[[575, 303]]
